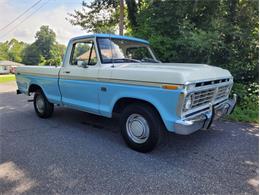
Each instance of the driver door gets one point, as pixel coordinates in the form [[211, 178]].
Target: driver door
[[78, 84]]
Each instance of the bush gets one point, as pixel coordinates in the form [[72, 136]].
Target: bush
[[247, 105]]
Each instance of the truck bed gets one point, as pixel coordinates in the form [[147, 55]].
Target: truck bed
[[45, 76]]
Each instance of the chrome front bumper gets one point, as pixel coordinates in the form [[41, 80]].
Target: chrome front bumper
[[204, 120]]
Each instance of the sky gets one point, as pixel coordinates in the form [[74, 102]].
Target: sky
[[47, 12]]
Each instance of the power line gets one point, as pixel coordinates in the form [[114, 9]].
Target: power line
[[24, 19], [14, 20]]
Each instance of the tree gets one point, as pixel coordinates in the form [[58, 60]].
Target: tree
[[102, 16], [56, 54], [45, 41], [223, 33], [31, 55], [45, 50], [4, 51], [12, 50], [98, 16]]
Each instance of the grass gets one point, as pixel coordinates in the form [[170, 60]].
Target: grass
[[245, 115], [6, 78]]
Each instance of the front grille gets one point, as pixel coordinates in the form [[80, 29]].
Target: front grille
[[222, 92], [211, 82], [202, 97], [207, 96]]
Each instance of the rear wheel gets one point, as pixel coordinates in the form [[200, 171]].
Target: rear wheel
[[42, 106], [140, 127]]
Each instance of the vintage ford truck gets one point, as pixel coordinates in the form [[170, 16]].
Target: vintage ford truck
[[112, 75]]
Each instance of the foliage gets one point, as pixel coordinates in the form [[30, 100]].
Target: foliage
[[223, 33], [247, 109], [45, 50], [31, 55], [45, 41], [245, 115], [12, 50], [102, 16], [98, 16], [56, 54], [247, 94]]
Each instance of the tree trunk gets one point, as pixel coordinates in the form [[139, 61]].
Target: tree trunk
[[121, 18]]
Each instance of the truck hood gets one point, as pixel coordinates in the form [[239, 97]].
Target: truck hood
[[172, 73]]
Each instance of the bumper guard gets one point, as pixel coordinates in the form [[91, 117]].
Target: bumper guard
[[204, 120]]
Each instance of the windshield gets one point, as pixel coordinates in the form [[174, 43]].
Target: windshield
[[122, 50]]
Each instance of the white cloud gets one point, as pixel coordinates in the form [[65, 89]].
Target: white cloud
[[54, 17]]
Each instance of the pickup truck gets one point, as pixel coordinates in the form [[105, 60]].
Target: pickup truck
[[111, 75]]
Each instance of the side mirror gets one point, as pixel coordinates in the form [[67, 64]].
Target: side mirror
[[82, 63], [79, 62]]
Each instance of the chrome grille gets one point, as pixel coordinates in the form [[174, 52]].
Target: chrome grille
[[223, 91], [206, 96], [202, 97]]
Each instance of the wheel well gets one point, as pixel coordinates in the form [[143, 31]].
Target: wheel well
[[123, 102], [34, 88]]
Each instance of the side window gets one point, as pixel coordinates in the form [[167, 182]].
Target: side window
[[83, 54]]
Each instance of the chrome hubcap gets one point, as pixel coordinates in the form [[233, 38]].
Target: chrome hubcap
[[40, 103], [137, 128]]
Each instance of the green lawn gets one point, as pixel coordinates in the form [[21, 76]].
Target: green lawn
[[245, 115], [6, 78]]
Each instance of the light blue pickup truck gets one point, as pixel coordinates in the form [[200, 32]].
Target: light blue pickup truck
[[112, 75]]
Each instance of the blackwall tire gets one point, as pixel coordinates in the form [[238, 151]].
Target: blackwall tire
[[42, 107], [141, 127]]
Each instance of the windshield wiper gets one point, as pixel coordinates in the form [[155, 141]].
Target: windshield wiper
[[150, 60], [127, 60]]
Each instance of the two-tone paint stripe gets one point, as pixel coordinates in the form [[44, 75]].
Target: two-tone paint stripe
[[107, 80]]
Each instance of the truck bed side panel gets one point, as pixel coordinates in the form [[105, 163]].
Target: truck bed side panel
[[45, 77]]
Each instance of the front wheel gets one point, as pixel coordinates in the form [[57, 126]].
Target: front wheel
[[140, 127], [42, 106]]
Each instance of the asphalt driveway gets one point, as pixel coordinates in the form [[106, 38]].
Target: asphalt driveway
[[78, 153]]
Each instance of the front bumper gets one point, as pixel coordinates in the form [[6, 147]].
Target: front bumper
[[204, 120]]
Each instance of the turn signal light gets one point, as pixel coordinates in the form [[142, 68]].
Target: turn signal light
[[170, 87]]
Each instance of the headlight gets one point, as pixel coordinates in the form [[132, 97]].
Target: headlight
[[190, 86], [188, 102]]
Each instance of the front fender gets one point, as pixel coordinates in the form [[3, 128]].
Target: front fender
[[165, 101]]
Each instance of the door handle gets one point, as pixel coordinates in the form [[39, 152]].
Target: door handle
[[67, 72]]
